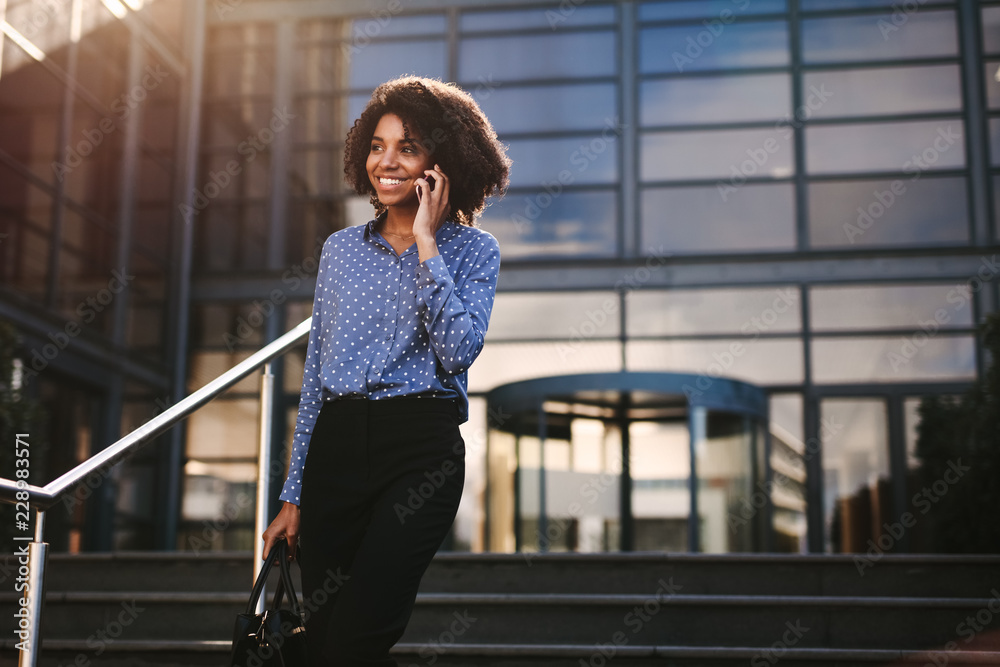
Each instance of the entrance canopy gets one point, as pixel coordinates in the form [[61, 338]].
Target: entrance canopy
[[627, 460]]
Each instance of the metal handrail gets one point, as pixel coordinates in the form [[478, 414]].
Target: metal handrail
[[47, 496], [40, 499]]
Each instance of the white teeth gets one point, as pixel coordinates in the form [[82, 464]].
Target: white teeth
[[389, 181]]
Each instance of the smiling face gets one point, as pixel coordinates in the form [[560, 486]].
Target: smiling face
[[395, 162]]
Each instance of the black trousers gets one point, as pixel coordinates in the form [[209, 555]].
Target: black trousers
[[380, 490]]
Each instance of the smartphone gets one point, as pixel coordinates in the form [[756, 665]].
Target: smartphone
[[430, 185]]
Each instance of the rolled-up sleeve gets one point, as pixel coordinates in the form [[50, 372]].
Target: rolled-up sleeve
[[457, 316]]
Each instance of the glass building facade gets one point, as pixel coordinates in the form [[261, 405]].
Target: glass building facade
[[797, 194]]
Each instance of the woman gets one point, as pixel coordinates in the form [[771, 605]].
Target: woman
[[401, 308]]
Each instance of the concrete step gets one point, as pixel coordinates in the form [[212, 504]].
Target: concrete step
[[729, 574], [490, 618], [734, 574], [183, 654]]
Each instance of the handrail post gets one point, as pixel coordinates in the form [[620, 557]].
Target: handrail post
[[38, 552], [263, 473]]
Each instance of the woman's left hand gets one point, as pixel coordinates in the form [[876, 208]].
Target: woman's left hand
[[434, 207]]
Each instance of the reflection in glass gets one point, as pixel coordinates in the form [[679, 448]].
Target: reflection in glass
[[910, 146], [928, 211], [316, 172], [231, 237], [732, 155], [525, 57], [996, 206], [565, 16], [535, 224], [660, 460], [699, 220], [813, 5], [925, 34], [857, 489], [991, 29], [372, 66], [892, 306], [695, 47], [725, 460], [788, 473], [542, 108], [991, 83], [507, 362], [382, 25], [740, 311], [761, 361], [894, 359], [875, 91], [555, 315], [25, 211], [572, 160], [320, 69], [995, 141], [714, 99], [693, 9], [239, 73]]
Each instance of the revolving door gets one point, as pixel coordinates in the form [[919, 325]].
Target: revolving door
[[629, 461]]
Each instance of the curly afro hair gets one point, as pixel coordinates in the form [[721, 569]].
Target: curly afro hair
[[450, 124]]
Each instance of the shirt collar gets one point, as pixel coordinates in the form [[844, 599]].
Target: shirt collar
[[444, 232]]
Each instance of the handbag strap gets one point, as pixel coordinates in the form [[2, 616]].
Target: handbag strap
[[279, 552]]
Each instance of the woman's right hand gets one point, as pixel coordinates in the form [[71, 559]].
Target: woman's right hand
[[285, 525]]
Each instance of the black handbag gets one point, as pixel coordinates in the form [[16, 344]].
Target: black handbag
[[277, 637]]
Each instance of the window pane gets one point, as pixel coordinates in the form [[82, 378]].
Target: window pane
[[788, 493], [724, 459], [240, 73], [660, 460], [733, 155], [991, 29], [703, 219], [812, 5], [695, 47], [762, 361], [863, 92], [573, 224], [875, 37], [318, 68], [380, 62], [523, 57], [564, 16], [500, 363], [910, 147], [995, 141], [714, 99], [991, 83], [879, 213], [546, 108], [856, 479], [894, 359], [392, 26], [903, 306], [557, 315], [745, 312], [573, 160], [996, 206], [695, 9]]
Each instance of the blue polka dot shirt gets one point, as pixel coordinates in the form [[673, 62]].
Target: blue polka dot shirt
[[389, 325]]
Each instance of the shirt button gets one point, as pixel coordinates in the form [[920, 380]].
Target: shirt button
[[377, 370], [392, 297], [388, 336]]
